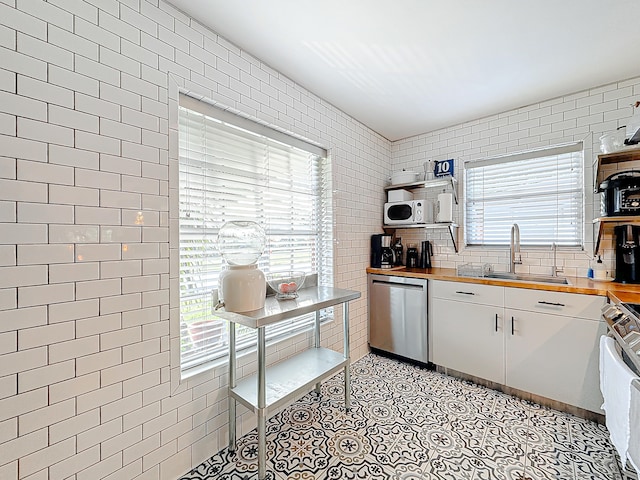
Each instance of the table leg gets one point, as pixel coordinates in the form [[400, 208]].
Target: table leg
[[316, 334], [232, 383], [262, 401], [347, 355]]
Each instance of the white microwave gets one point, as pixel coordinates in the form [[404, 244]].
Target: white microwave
[[408, 212]]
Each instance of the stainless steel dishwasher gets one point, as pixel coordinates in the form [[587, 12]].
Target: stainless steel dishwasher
[[398, 316]]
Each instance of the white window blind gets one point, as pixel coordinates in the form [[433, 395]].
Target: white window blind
[[541, 191], [234, 169]]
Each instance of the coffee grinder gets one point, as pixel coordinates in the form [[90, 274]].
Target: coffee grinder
[[627, 253]]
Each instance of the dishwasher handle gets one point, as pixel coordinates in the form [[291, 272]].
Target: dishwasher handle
[[399, 284]]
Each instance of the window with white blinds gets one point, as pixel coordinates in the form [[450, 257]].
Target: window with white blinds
[[542, 191], [233, 169]]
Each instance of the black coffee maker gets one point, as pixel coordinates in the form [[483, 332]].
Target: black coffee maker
[[627, 253], [388, 258], [382, 255]]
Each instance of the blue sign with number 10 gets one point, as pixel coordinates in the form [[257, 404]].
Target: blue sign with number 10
[[444, 168]]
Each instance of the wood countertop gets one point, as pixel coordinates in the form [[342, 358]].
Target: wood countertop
[[621, 291]]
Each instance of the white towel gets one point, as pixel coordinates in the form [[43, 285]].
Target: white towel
[[634, 427], [615, 380]]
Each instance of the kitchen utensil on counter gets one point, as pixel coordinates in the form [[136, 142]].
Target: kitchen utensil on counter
[[412, 256], [398, 252], [403, 176], [425, 254], [444, 207], [627, 253]]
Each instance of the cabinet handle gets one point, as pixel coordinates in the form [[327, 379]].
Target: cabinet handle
[[496, 322], [466, 293], [552, 303], [513, 328]]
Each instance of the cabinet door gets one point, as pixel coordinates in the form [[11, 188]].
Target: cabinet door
[[554, 356], [469, 338]]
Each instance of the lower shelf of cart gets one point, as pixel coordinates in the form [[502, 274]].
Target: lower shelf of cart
[[286, 381]]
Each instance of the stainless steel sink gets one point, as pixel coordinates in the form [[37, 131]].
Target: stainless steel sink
[[528, 278]]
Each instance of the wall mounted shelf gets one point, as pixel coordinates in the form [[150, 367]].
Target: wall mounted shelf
[[452, 227], [437, 182], [602, 223], [629, 154]]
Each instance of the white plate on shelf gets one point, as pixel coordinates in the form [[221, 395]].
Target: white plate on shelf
[[603, 280]]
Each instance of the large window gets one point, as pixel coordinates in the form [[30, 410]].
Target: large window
[[233, 169], [541, 191]]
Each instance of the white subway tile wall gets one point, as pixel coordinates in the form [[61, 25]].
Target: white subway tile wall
[[580, 116], [89, 379]]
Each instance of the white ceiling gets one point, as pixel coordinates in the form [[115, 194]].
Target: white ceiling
[[405, 67]]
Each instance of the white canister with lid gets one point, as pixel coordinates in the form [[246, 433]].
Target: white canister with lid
[[444, 209]]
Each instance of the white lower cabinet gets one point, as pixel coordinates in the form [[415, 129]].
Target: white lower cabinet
[[467, 328], [541, 342], [552, 347]]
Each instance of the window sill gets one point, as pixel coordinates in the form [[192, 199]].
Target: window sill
[[525, 248]]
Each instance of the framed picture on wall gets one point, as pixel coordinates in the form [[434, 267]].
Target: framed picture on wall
[[443, 168]]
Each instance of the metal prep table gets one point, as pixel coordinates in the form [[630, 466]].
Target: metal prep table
[[285, 381]]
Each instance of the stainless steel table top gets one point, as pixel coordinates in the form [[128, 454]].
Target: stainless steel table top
[[309, 300]]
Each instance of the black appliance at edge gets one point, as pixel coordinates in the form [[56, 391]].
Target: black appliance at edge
[[425, 254], [627, 253], [376, 251], [620, 194]]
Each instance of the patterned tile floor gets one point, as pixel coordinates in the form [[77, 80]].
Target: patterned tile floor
[[410, 423]]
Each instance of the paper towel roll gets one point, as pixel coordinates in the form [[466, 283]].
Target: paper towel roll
[[445, 207]]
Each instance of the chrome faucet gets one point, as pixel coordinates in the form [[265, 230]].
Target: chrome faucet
[[514, 249], [555, 270]]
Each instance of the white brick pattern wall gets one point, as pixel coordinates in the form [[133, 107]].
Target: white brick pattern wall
[[580, 116], [87, 109], [88, 88]]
